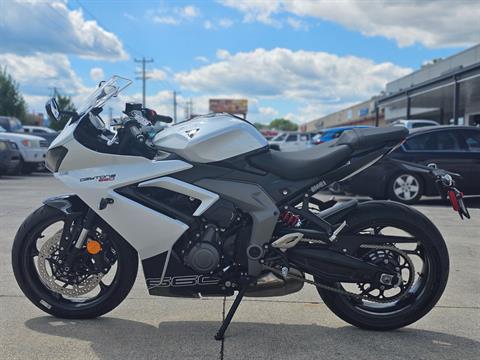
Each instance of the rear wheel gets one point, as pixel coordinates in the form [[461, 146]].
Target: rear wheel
[[423, 268], [81, 290]]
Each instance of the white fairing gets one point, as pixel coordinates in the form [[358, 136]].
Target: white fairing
[[210, 138]]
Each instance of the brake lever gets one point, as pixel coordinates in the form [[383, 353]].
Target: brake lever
[[113, 140]]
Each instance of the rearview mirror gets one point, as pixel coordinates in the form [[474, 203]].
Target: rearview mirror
[[51, 108]]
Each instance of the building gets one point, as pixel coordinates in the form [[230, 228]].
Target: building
[[364, 113], [445, 90]]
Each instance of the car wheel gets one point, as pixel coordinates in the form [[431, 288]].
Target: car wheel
[[406, 188]]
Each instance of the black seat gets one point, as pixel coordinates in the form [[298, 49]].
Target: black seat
[[366, 138], [320, 159], [302, 164]]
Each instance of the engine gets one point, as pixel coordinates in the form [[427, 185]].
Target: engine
[[212, 246]]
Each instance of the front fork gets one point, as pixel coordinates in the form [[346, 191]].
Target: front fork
[[78, 235]]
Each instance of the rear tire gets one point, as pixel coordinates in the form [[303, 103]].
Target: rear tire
[[434, 281], [47, 300]]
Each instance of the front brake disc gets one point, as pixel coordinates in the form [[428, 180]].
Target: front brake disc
[[48, 278]]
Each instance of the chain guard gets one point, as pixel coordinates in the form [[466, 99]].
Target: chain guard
[[278, 272]]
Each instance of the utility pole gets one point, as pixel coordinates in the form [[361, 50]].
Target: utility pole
[[174, 107], [143, 76]]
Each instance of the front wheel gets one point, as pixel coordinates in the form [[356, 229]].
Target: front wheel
[[82, 289], [423, 268]]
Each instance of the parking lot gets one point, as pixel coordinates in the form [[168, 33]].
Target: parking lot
[[298, 326]]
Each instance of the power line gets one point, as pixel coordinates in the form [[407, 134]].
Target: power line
[[143, 76]]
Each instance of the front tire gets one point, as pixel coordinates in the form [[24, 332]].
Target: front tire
[[25, 268], [423, 294]]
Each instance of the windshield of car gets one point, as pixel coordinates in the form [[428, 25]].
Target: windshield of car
[[2, 129], [103, 93]]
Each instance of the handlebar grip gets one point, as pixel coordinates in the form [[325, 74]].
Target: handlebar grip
[[136, 133]]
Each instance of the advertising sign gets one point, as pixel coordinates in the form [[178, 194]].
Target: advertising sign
[[232, 106]]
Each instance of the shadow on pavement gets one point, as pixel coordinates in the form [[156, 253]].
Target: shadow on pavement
[[112, 338]]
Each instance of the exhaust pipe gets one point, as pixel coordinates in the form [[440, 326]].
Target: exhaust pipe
[[270, 284]]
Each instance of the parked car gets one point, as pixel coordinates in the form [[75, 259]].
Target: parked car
[[332, 133], [413, 124], [42, 131], [9, 157], [291, 141], [456, 149], [32, 149]]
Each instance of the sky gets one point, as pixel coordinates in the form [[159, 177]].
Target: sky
[[297, 59]]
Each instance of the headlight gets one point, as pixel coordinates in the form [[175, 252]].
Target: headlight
[[31, 143]]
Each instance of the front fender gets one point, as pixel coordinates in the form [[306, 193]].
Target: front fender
[[68, 204]]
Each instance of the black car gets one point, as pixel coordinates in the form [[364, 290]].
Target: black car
[[452, 148], [9, 157]]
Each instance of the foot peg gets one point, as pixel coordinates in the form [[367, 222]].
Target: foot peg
[[287, 241]]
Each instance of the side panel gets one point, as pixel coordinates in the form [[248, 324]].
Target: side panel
[[148, 231], [252, 199], [206, 197]]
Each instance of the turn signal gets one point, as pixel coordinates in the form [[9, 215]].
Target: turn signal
[[93, 247]]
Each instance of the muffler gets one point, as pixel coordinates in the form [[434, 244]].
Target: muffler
[[270, 284]]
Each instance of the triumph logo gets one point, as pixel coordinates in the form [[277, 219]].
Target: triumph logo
[[318, 186], [180, 281]]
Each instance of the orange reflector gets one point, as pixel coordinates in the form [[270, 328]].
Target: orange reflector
[[93, 247]]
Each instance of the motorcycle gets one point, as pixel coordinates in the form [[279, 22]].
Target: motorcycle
[[211, 210]]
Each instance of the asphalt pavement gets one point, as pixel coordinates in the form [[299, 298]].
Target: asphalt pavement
[[298, 326]]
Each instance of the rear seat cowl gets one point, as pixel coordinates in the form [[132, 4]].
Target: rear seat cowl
[[365, 138]]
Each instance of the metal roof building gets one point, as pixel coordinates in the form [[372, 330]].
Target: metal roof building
[[447, 91]]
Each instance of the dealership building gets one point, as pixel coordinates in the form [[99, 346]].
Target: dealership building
[[445, 90]]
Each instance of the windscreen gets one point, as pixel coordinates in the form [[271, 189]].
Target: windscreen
[[103, 93]]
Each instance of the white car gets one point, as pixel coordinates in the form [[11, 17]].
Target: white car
[[291, 141], [413, 124], [32, 149], [33, 129]]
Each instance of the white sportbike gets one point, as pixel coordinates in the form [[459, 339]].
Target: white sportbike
[[211, 210]]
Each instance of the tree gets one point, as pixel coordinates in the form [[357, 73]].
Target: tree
[[11, 100], [283, 124], [64, 104]]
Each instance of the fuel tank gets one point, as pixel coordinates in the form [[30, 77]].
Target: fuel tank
[[210, 138]]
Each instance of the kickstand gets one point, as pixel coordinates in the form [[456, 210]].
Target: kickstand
[[231, 312]]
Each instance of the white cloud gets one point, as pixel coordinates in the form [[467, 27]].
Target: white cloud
[[283, 73], [207, 24], [429, 22], [167, 20], [97, 74], [297, 24], [157, 74], [50, 27], [311, 84], [202, 59], [223, 23], [173, 16], [189, 11], [269, 111], [39, 74], [260, 11]]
